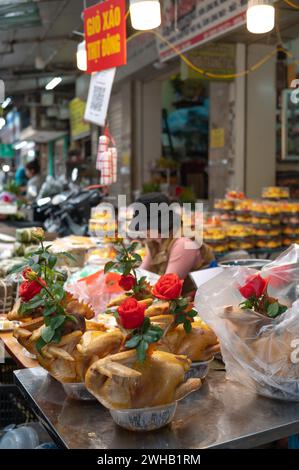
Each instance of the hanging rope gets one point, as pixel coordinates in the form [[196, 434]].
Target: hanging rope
[[204, 73], [291, 4]]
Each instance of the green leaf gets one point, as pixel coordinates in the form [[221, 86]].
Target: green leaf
[[282, 309], [191, 313], [35, 303], [137, 257], [47, 334], [273, 310], [133, 247], [18, 268], [68, 255], [52, 260], [71, 318], [127, 268], [57, 321], [182, 303], [187, 326], [50, 310], [141, 350], [57, 337], [146, 324], [109, 266], [180, 318], [40, 343], [133, 342]]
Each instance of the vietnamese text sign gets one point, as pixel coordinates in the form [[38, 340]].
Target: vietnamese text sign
[[99, 96], [105, 35], [198, 21], [79, 128]]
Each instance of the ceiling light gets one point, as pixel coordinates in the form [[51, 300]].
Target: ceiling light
[[260, 16], [6, 168], [53, 83], [20, 145], [145, 14], [6, 102], [82, 56]]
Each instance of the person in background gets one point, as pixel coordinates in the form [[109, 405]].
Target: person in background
[[21, 179], [179, 255], [34, 179]]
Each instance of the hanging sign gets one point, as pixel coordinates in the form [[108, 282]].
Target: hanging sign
[[99, 96], [196, 22], [105, 35]]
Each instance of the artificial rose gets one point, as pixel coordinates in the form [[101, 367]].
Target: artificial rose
[[29, 274], [255, 287], [131, 313], [29, 289], [168, 287], [127, 282]]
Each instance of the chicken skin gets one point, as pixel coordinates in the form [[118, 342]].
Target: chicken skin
[[121, 382]]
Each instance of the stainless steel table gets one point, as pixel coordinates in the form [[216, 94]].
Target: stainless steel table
[[222, 414]]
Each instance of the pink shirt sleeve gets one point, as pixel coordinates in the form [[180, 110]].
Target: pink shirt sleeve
[[184, 256]]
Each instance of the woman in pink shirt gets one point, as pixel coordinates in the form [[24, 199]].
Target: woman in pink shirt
[[167, 251]]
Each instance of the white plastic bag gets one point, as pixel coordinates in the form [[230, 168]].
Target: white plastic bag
[[259, 352]]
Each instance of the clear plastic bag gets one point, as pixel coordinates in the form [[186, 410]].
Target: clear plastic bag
[[259, 352], [96, 290]]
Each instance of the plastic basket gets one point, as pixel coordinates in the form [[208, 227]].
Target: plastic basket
[[6, 371], [13, 407]]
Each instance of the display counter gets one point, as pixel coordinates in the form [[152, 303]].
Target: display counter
[[221, 414]]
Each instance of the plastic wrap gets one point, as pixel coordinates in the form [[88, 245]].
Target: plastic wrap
[[96, 290], [259, 352]]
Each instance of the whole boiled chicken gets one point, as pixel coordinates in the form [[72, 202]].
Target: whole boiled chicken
[[120, 381], [199, 345], [69, 360]]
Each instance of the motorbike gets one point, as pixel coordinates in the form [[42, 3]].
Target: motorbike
[[69, 214]]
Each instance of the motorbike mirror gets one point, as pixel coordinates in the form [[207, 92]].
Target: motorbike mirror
[[43, 201], [74, 175]]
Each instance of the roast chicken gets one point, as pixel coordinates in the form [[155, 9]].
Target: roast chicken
[[69, 360], [199, 345], [71, 304], [121, 382]]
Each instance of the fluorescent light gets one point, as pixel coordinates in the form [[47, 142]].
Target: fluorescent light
[[6, 102], [145, 14], [20, 145], [53, 83], [260, 16], [6, 168], [82, 56], [2, 122]]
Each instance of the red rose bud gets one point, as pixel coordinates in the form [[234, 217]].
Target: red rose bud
[[131, 313], [168, 287], [255, 286], [29, 274], [29, 289], [127, 282]]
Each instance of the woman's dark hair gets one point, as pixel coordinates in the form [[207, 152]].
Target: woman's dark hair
[[33, 166], [156, 222]]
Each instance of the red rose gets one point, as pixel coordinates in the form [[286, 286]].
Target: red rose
[[255, 286], [131, 313], [27, 272], [127, 282], [29, 289], [168, 287]]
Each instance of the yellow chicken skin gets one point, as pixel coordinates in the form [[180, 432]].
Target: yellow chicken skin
[[199, 345], [121, 382]]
